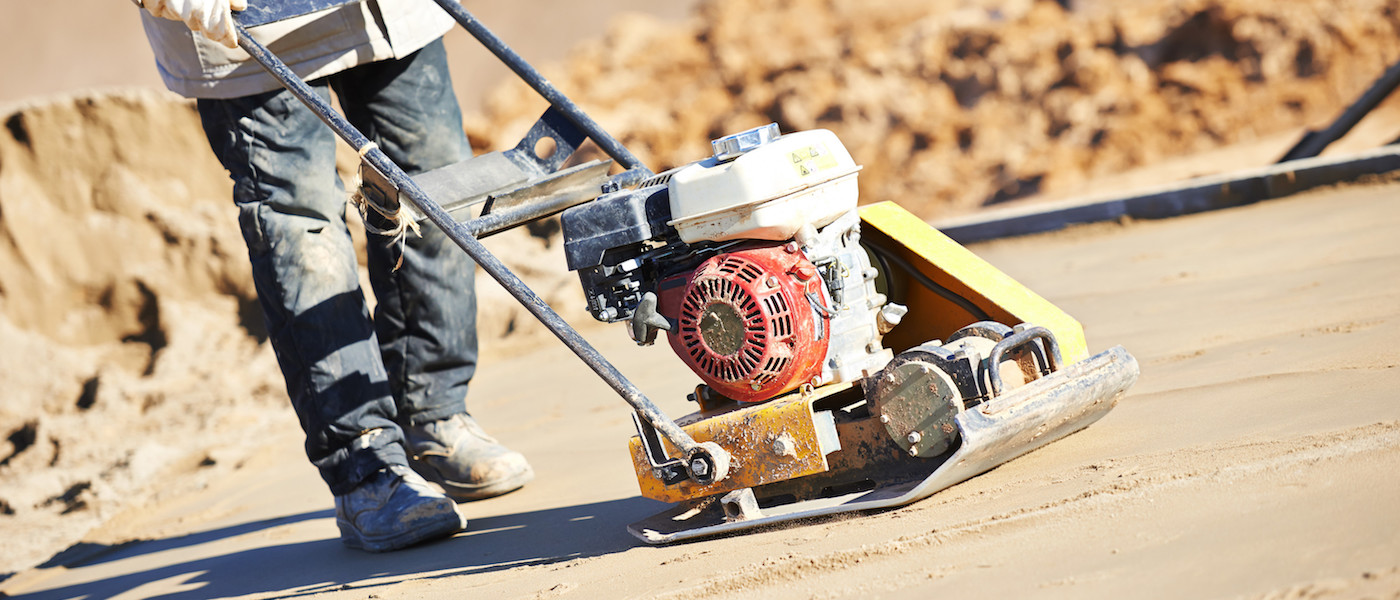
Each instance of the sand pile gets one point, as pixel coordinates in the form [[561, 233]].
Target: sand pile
[[134, 349], [124, 300], [953, 104]]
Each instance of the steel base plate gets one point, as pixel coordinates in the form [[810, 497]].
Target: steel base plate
[[992, 433]]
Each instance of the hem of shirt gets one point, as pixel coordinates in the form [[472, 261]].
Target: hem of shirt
[[257, 81]]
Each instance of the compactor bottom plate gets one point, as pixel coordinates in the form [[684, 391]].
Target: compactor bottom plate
[[991, 433]]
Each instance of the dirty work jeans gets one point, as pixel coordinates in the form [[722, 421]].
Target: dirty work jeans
[[348, 375]]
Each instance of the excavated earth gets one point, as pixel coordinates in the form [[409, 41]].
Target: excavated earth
[[954, 105], [1256, 457]]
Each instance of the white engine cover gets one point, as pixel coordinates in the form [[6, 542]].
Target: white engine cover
[[768, 192]]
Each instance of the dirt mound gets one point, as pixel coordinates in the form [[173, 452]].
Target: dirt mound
[[952, 105], [134, 345], [124, 298]]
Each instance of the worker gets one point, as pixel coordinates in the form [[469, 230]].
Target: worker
[[382, 400]]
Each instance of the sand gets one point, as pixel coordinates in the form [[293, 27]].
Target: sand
[[144, 428], [1255, 458], [955, 105]]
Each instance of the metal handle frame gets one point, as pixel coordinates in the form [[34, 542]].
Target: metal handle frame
[[529, 75], [703, 463]]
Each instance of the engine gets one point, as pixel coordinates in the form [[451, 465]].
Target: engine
[[744, 322], [750, 261]]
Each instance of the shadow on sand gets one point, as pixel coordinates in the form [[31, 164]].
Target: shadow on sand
[[305, 568]]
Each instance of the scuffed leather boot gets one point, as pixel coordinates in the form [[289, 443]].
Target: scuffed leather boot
[[469, 465], [394, 509]]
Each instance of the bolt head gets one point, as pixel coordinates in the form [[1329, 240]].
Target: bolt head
[[914, 437], [699, 467], [884, 418]]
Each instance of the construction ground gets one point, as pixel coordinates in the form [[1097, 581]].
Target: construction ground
[[152, 453]]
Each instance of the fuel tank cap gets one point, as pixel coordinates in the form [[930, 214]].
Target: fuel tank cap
[[732, 146]]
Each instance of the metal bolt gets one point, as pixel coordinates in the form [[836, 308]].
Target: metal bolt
[[772, 282], [914, 437], [755, 385], [913, 452], [782, 446], [884, 418], [699, 467]]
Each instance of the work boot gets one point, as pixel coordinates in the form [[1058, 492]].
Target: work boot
[[394, 509], [469, 465]]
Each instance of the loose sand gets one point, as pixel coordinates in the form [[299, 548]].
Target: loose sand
[[952, 105]]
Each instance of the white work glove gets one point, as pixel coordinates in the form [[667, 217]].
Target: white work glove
[[213, 18]]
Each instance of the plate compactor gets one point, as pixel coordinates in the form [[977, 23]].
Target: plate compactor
[[851, 358]]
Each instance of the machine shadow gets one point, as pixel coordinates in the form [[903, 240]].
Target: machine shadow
[[299, 569]]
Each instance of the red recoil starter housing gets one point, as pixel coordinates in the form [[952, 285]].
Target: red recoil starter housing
[[745, 324]]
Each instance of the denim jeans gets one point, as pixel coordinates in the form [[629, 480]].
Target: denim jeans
[[352, 380]]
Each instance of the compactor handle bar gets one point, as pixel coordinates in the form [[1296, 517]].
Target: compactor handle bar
[[703, 463], [542, 86]]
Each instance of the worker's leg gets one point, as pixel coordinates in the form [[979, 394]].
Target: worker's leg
[[426, 312], [292, 213]]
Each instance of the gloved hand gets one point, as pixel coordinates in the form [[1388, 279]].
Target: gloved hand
[[213, 18]]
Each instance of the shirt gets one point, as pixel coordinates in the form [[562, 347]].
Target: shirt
[[313, 46]]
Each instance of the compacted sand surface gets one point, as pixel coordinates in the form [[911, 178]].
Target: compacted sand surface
[[1254, 458]]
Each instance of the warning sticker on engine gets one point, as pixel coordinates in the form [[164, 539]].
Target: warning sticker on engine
[[812, 159]]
